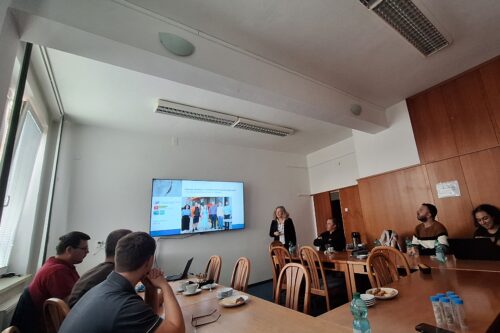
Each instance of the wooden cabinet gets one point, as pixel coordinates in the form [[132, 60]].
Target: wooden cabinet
[[458, 117], [453, 212], [490, 75], [352, 213], [390, 201], [482, 174], [322, 210], [469, 113], [431, 126]]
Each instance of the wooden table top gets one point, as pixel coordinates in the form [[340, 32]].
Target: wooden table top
[[479, 290]]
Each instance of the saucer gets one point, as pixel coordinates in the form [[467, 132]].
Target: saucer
[[197, 291], [230, 302]]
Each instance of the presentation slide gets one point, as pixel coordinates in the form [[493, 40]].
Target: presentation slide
[[195, 206]]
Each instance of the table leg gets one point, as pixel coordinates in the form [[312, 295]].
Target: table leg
[[349, 278]]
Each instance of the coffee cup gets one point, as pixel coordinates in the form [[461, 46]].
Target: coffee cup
[[183, 285], [330, 249], [191, 288], [226, 292]]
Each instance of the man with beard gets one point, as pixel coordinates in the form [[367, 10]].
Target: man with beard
[[430, 230]]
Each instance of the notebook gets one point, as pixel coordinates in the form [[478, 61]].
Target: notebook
[[184, 274], [474, 249]]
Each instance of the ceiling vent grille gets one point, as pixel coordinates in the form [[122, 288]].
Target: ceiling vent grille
[[194, 113], [410, 22]]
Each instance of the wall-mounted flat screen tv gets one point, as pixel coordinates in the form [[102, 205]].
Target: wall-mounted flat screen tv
[[195, 206]]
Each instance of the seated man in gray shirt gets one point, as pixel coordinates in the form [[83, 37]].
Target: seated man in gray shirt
[[114, 306], [100, 272]]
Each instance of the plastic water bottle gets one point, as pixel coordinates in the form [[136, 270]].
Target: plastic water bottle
[[360, 324], [291, 248], [439, 252], [459, 312], [438, 311], [447, 311], [377, 243]]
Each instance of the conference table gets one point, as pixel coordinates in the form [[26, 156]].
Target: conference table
[[256, 315]]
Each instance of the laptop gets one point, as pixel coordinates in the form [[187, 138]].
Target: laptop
[[184, 274], [474, 249]]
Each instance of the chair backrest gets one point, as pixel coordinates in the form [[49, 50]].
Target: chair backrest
[[54, 312], [11, 329], [275, 243], [241, 273], [383, 265], [310, 259], [296, 275], [213, 268]]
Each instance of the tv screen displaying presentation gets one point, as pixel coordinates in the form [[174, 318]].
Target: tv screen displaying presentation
[[195, 206]]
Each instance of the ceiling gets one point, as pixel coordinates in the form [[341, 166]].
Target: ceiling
[[99, 94], [298, 64], [342, 43]]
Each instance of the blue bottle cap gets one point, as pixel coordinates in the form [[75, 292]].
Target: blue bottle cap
[[444, 300], [434, 298], [457, 301], [441, 294], [450, 293], [453, 296]]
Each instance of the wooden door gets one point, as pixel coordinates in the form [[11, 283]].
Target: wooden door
[[352, 213], [322, 210], [482, 174], [490, 75], [465, 100], [431, 126], [453, 212]]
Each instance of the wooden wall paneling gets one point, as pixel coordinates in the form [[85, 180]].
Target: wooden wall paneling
[[353, 217], [490, 75], [390, 201], [322, 210], [431, 126], [482, 174], [465, 101], [453, 212]]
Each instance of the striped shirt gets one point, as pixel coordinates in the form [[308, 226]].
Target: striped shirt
[[426, 237]]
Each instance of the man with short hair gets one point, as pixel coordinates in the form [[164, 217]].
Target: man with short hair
[[100, 272], [58, 274], [429, 231], [114, 306], [332, 237]]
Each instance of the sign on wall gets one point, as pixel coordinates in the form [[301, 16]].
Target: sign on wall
[[448, 189]]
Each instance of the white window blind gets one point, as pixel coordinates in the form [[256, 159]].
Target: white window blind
[[19, 179]]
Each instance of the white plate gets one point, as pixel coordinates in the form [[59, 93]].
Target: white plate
[[207, 286], [197, 291], [389, 293], [230, 302]]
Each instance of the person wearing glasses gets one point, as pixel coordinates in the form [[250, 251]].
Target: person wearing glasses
[[100, 272], [58, 274], [487, 220]]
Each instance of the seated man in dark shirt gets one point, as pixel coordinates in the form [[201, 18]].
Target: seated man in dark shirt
[[100, 272], [114, 306], [332, 237]]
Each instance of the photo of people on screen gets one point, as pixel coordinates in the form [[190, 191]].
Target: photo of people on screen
[[205, 214]]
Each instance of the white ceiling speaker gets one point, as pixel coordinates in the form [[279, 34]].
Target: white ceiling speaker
[[356, 109], [219, 118], [176, 44]]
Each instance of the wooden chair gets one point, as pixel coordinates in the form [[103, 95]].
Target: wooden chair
[[11, 329], [295, 275], [241, 273], [54, 312], [310, 259], [279, 258], [213, 268], [275, 243], [382, 265]]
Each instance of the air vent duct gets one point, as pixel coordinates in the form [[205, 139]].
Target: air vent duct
[[410, 22], [194, 113]]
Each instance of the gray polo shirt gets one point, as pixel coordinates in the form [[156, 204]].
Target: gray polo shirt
[[111, 306]]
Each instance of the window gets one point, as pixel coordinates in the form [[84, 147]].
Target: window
[[22, 169]]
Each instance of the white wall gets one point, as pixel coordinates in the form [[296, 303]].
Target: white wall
[[104, 183], [390, 149], [333, 167]]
